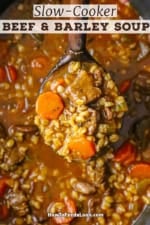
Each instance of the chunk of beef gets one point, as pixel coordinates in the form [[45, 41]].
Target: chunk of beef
[[14, 156], [18, 202], [83, 87]]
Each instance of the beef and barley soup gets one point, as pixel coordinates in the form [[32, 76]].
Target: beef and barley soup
[[59, 150]]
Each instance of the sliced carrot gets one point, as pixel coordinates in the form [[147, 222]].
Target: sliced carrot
[[124, 87], [49, 105], [39, 65], [82, 147], [126, 154], [140, 170], [11, 73]]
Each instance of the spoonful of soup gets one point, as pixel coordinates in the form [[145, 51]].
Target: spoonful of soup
[[79, 108]]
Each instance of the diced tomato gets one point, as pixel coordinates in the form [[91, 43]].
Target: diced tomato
[[2, 74], [11, 73], [126, 154], [124, 87]]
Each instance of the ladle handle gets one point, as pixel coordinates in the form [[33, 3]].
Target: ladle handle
[[77, 42]]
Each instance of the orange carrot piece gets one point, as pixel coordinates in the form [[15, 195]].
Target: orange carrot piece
[[2, 74], [126, 154], [82, 146], [49, 105], [11, 73], [125, 86], [140, 170]]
